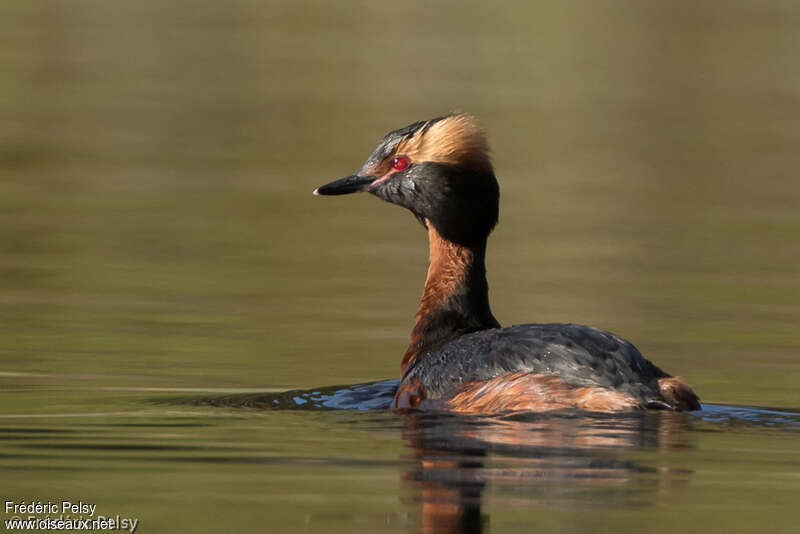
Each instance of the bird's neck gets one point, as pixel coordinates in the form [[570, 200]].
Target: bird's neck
[[455, 300]]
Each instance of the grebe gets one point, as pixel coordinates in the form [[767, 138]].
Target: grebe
[[459, 358]]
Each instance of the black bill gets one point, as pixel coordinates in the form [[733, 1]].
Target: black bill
[[343, 186]]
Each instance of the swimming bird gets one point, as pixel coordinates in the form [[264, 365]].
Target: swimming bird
[[459, 357]]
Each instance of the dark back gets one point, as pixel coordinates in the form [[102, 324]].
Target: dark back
[[579, 355]]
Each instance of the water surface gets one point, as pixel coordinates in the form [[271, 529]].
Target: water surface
[[159, 243]]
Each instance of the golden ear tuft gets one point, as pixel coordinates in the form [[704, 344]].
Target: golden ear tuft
[[455, 140]]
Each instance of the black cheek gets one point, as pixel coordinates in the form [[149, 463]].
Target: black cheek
[[397, 191], [410, 186]]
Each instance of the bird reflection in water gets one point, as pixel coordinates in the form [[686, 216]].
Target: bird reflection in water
[[556, 458], [546, 456]]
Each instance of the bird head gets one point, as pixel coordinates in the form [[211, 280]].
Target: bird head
[[440, 170]]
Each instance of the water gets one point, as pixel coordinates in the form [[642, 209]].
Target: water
[[178, 467], [166, 275]]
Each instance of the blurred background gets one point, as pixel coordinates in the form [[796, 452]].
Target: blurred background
[[157, 159], [158, 238]]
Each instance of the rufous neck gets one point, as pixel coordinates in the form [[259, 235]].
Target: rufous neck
[[455, 300]]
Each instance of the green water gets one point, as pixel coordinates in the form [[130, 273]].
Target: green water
[[158, 241]]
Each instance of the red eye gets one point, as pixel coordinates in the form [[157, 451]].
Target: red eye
[[399, 163]]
